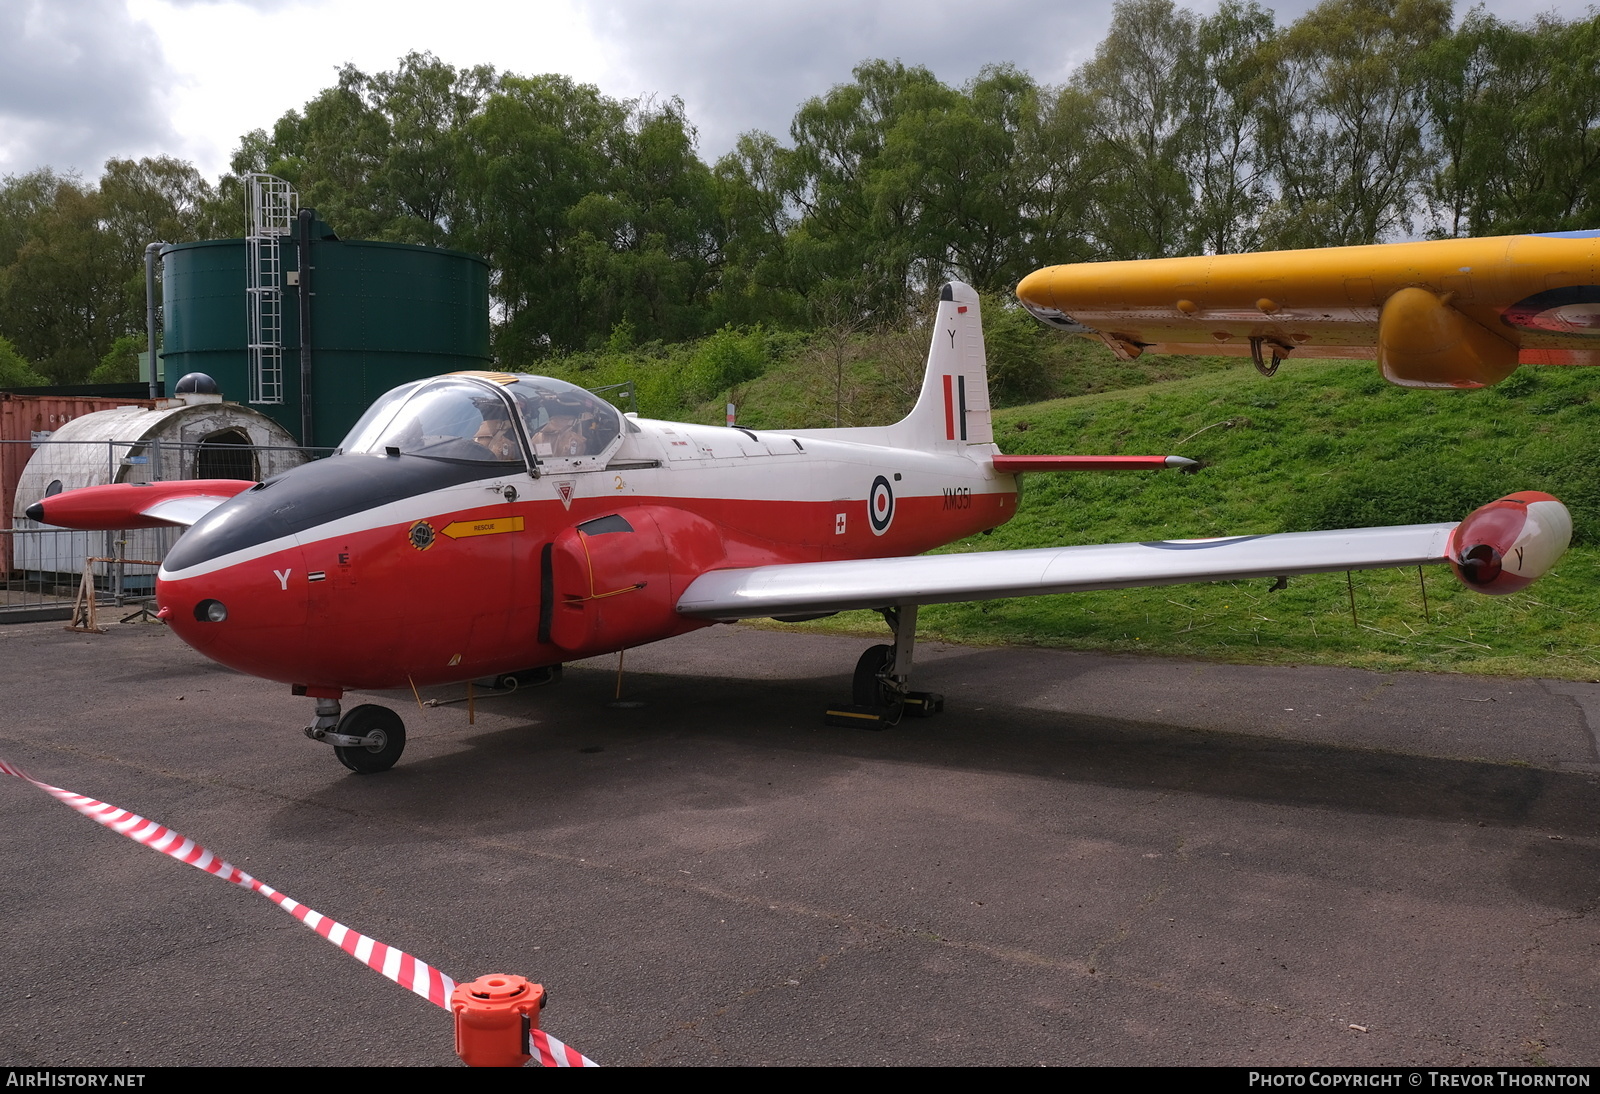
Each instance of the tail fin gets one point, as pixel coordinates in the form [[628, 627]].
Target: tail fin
[[952, 413]]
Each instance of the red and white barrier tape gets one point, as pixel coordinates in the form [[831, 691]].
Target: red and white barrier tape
[[397, 965]]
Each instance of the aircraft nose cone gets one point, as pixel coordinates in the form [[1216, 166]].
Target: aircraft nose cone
[[250, 616]]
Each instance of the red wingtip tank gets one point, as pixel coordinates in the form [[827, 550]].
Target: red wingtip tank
[[1504, 546], [125, 505]]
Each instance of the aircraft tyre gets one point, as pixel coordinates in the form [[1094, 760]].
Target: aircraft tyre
[[866, 687], [371, 720]]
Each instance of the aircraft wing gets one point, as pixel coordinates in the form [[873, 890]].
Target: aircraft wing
[[1500, 547], [809, 587], [1442, 313]]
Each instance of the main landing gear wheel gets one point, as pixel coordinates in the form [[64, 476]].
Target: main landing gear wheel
[[874, 703], [867, 688], [879, 697], [381, 723]]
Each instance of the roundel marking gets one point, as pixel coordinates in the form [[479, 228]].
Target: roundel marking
[[880, 505], [1574, 309]]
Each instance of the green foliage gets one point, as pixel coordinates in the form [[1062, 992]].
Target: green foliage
[[72, 255], [622, 338], [15, 370], [382, 156], [687, 381], [1022, 355], [1142, 80], [120, 365], [1342, 123], [724, 360], [1514, 111]]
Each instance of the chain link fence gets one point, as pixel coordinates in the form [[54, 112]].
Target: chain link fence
[[42, 568]]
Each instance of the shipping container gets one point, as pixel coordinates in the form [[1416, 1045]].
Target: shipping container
[[25, 420]]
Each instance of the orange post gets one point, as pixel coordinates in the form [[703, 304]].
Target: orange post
[[494, 1016]]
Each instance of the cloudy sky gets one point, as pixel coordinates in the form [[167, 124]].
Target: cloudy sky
[[84, 80]]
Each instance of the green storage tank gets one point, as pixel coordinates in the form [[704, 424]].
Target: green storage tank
[[381, 314]]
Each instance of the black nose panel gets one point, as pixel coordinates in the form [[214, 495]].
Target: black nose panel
[[314, 494]]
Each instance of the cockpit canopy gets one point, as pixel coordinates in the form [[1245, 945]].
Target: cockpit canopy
[[488, 417]]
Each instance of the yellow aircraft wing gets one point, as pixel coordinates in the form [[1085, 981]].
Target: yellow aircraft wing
[[1446, 313]]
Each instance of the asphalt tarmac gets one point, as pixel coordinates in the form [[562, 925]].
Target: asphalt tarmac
[[1085, 860]]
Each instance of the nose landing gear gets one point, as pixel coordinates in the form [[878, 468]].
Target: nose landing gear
[[367, 739]]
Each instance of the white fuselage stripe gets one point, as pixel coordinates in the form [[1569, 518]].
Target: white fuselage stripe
[[827, 471]]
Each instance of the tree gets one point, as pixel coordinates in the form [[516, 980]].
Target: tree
[[156, 199], [649, 245], [970, 179], [540, 146], [24, 200], [1227, 169], [72, 256], [120, 365], [1514, 114], [1342, 124], [757, 279], [859, 203], [64, 296], [1065, 173], [14, 369], [381, 156], [429, 107], [1144, 83]]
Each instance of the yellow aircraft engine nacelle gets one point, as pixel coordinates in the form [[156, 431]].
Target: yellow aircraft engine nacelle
[[1424, 342]]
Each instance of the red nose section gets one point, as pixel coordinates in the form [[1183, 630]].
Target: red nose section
[[1505, 545], [250, 616]]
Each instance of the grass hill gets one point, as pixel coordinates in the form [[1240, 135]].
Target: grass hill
[[1321, 445]]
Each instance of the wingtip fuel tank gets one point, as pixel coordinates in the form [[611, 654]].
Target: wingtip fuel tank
[[1505, 546]]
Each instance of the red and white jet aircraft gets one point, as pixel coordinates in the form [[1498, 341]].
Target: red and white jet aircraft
[[482, 524]]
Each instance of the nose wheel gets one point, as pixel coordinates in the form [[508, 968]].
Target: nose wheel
[[367, 739], [384, 733]]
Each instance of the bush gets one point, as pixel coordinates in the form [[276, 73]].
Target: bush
[[1021, 353], [724, 360], [121, 364], [15, 370]]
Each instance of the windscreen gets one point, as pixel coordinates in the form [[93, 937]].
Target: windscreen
[[446, 418]]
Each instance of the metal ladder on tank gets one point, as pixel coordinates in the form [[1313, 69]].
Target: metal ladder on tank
[[273, 207]]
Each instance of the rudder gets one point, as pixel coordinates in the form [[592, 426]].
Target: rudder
[[952, 412]]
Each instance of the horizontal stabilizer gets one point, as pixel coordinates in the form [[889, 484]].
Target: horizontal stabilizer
[[1019, 464]]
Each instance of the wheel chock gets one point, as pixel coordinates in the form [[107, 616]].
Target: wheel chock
[[923, 704], [861, 717]]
